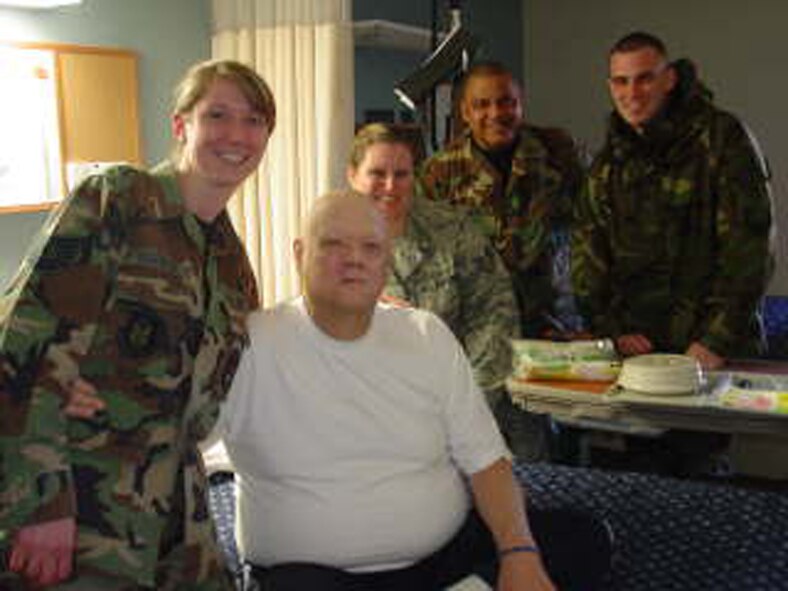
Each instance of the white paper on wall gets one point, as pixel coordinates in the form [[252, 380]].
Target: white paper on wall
[[30, 155]]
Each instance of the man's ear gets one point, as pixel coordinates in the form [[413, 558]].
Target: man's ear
[[350, 173]]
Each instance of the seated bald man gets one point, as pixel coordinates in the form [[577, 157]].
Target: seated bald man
[[353, 426]]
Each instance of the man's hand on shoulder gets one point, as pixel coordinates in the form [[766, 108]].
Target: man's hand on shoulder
[[43, 553], [83, 401], [394, 301]]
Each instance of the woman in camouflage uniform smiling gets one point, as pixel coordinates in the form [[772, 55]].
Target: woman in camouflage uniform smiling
[[141, 287]]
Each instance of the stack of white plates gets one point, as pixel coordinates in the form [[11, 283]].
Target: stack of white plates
[[661, 373]]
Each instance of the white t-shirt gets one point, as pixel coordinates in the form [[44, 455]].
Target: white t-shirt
[[346, 452]]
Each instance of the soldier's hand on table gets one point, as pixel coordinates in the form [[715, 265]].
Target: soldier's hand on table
[[82, 401], [633, 344], [707, 358], [42, 554]]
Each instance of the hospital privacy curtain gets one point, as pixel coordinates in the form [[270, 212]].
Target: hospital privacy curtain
[[304, 50]]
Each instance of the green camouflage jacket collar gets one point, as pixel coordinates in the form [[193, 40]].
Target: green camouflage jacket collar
[[529, 150], [169, 204]]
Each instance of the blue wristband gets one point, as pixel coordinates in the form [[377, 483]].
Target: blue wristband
[[517, 549]]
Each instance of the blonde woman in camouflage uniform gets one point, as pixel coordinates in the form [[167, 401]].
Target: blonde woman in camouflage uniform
[[441, 261], [142, 288]]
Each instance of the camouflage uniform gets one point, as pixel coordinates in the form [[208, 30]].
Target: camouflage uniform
[[526, 219], [134, 294], [672, 237], [442, 263]]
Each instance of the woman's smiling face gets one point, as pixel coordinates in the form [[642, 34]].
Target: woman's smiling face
[[222, 138], [386, 173]]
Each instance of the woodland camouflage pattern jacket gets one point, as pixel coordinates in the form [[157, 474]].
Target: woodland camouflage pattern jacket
[[131, 292], [672, 237]]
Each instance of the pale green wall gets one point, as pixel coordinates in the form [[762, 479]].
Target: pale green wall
[[740, 49], [167, 35]]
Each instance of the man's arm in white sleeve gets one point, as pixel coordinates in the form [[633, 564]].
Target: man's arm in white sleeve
[[500, 501]]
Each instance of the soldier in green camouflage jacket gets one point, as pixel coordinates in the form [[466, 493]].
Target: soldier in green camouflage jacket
[[441, 261], [671, 248], [141, 287], [519, 182]]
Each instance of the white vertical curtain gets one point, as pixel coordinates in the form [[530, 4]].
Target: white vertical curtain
[[304, 50]]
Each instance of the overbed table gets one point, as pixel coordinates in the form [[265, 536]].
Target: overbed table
[[605, 407]]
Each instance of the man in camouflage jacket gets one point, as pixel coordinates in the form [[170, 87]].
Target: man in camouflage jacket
[[518, 181], [671, 247], [133, 293]]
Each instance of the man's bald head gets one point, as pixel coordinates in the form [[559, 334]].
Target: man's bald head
[[343, 258], [341, 202]]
